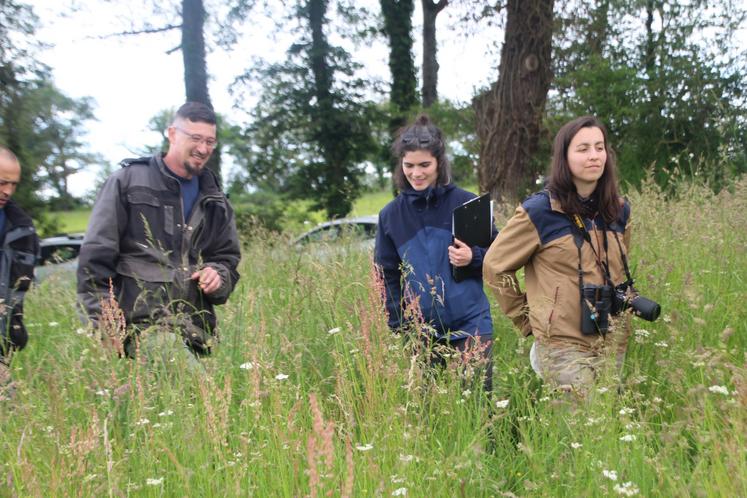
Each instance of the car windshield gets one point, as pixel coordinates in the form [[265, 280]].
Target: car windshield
[[59, 253]]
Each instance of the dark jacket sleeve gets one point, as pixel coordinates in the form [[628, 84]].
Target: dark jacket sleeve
[[99, 252], [388, 260], [224, 256]]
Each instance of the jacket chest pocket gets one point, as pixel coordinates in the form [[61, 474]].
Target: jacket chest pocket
[[147, 217]]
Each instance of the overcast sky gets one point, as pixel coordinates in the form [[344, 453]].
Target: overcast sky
[[132, 78]]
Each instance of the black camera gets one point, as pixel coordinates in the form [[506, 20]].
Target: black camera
[[596, 305], [642, 307]]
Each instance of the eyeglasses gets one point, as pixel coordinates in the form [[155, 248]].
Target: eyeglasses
[[198, 139]]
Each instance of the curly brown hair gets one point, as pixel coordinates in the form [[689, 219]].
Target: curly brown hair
[[421, 135]]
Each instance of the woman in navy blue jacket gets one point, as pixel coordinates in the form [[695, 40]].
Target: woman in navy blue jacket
[[415, 250]]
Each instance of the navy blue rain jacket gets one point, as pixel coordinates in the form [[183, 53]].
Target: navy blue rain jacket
[[412, 243]]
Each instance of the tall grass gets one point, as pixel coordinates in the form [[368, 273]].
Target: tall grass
[[309, 394]]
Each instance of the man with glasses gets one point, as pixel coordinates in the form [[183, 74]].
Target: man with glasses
[[161, 248]]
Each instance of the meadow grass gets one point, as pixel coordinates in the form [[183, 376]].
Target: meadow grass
[[309, 394], [74, 221]]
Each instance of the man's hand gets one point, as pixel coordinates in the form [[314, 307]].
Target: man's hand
[[460, 254], [208, 279]]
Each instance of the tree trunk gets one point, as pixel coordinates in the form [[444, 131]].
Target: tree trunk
[[195, 67], [509, 115], [328, 125], [430, 47]]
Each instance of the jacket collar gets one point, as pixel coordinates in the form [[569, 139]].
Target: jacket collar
[[17, 216], [208, 180], [431, 195], [554, 203]]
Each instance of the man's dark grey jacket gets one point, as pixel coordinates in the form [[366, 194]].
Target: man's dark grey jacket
[[137, 238]]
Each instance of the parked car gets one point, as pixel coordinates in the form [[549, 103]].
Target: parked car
[[360, 232], [59, 256]]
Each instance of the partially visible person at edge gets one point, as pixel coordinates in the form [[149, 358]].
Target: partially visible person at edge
[[163, 233], [541, 238], [415, 251], [20, 250]]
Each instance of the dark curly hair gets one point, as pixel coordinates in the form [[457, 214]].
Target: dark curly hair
[[421, 135]]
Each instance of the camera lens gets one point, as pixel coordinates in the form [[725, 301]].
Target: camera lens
[[645, 308]]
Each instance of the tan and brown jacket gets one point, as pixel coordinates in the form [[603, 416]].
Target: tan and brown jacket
[[540, 238]]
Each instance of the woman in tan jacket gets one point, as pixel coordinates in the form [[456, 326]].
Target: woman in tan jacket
[[572, 240]]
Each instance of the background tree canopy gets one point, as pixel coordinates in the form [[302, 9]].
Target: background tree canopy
[[668, 78]]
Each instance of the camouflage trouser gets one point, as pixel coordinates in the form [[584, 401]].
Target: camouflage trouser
[[569, 368], [6, 382]]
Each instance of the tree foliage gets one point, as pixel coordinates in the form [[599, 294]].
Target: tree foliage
[[666, 77], [40, 124], [311, 129]]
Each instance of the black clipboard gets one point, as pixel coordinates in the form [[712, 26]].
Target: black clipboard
[[472, 223]]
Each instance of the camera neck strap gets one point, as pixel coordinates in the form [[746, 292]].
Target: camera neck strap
[[624, 261], [580, 234]]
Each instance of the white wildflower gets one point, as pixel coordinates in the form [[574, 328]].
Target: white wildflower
[[626, 411], [246, 366], [281, 376], [142, 421], [80, 331], [661, 344], [102, 392], [53, 324], [466, 393], [610, 474], [626, 489], [364, 447], [151, 481], [719, 390], [642, 332], [334, 331], [576, 446], [406, 458], [627, 438], [400, 492], [167, 413], [602, 390], [667, 318], [501, 403]]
